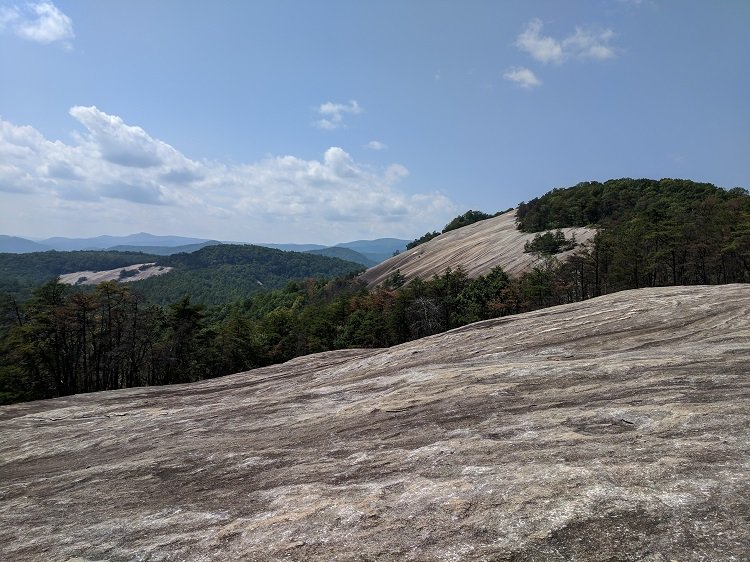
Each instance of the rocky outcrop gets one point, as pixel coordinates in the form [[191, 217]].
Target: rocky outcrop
[[612, 429], [134, 272], [476, 248]]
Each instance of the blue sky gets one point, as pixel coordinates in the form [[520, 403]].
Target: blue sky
[[307, 121]]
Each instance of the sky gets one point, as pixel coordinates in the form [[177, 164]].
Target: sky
[[316, 121]]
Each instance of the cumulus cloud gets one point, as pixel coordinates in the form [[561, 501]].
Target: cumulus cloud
[[114, 171], [584, 43], [40, 22], [333, 114], [376, 145], [543, 49], [119, 143], [523, 77]]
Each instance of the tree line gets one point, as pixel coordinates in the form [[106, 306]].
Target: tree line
[[63, 341]]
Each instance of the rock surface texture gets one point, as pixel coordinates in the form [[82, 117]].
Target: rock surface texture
[[476, 248], [613, 429], [135, 272]]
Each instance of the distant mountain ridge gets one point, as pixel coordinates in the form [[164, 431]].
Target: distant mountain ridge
[[377, 250], [371, 252], [164, 250], [291, 247], [365, 252], [107, 242], [344, 254], [18, 245]]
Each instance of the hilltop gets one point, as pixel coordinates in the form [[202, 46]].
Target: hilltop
[[16, 245], [631, 233], [226, 272], [611, 429]]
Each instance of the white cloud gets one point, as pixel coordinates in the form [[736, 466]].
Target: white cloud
[[523, 77], [40, 22], [584, 43], [395, 172], [333, 114], [376, 145], [590, 44], [114, 173], [119, 143], [543, 49]]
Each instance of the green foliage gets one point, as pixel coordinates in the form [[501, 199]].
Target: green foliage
[[212, 275], [469, 217], [395, 281], [549, 243], [21, 273], [225, 273], [614, 201], [422, 239], [63, 341], [665, 232], [66, 342]]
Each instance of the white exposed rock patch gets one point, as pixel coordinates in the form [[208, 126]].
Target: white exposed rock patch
[[476, 248], [134, 272], [620, 432]]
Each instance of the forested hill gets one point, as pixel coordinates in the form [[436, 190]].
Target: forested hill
[[212, 275], [609, 203], [21, 273], [653, 232], [225, 273]]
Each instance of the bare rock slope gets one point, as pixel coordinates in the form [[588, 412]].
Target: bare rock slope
[[134, 272], [476, 248], [613, 429]]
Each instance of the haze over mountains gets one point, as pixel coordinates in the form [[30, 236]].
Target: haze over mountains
[[365, 252], [14, 244]]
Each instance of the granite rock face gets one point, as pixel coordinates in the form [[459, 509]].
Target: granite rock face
[[613, 429], [476, 248], [135, 272]]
